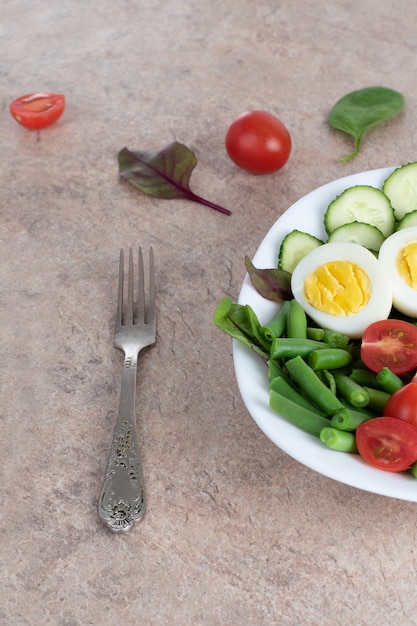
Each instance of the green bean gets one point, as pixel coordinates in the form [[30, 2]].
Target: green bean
[[362, 409], [329, 381], [334, 339], [283, 388], [354, 351], [355, 394], [349, 419], [329, 359], [289, 347], [377, 399], [389, 381], [275, 370], [277, 326], [315, 333], [301, 417], [296, 321], [365, 378], [312, 386], [338, 439]]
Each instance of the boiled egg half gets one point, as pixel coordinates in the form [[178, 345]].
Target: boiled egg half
[[398, 256], [342, 287]]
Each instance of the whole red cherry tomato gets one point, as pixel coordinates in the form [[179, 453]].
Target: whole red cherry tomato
[[402, 404], [387, 443], [258, 142], [38, 110]]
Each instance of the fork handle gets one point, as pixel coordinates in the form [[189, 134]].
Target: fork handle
[[122, 499]]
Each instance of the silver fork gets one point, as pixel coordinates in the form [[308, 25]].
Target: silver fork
[[122, 499]]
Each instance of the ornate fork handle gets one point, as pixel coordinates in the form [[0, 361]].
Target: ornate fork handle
[[122, 499]]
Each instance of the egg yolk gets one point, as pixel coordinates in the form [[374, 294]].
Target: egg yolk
[[407, 264], [338, 288]]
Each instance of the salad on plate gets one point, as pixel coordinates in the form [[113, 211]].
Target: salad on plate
[[325, 335]]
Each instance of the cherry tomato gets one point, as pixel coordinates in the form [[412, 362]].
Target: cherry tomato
[[392, 344], [258, 142], [387, 443], [38, 110], [402, 404]]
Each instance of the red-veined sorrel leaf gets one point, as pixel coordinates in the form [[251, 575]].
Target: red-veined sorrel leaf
[[164, 174], [272, 284]]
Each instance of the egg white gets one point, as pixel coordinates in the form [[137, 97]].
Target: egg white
[[380, 301], [404, 297]]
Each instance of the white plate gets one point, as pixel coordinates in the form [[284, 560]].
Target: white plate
[[252, 376]]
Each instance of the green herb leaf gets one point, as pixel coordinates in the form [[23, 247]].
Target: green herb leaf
[[163, 174], [360, 110], [241, 323], [272, 284]]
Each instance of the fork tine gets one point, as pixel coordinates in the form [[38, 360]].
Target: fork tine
[[141, 294], [119, 312], [129, 307]]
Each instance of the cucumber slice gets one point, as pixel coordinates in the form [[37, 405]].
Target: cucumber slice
[[409, 219], [401, 189], [361, 203], [295, 246], [358, 232]]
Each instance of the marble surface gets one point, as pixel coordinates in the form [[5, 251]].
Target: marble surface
[[236, 532]]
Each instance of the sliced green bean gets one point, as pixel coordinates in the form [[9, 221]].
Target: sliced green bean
[[301, 417], [315, 333], [296, 321], [338, 439], [312, 386], [334, 339], [377, 399], [289, 347], [329, 359], [277, 326], [365, 377], [354, 350], [350, 390], [250, 323], [349, 419], [362, 409], [329, 381], [275, 370], [283, 388], [320, 375], [389, 381]]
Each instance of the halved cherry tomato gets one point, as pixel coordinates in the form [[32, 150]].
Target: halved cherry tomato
[[387, 443], [258, 142], [390, 343], [402, 404], [38, 110]]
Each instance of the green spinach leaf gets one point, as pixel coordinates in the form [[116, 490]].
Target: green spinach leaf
[[360, 110], [240, 322]]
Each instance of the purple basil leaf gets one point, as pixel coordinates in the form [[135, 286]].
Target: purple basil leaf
[[164, 174], [272, 284]]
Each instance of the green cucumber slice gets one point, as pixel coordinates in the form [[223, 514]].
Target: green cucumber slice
[[361, 203], [409, 219], [295, 246], [401, 188], [358, 232]]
